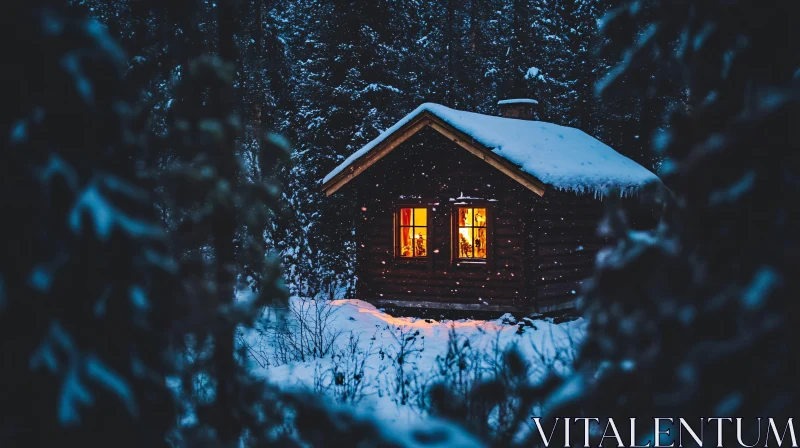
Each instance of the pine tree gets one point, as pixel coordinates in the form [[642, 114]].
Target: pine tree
[[684, 321], [519, 51], [350, 77], [714, 289], [96, 315], [87, 291], [93, 306], [560, 72]]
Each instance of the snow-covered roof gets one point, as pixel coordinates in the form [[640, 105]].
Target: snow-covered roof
[[516, 101], [561, 157]]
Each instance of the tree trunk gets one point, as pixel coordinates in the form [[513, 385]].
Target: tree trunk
[[227, 425], [450, 43]]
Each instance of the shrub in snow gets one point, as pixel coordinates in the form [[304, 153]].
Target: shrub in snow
[[457, 375], [301, 331], [489, 390], [346, 380], [459, 368], [404, 379]]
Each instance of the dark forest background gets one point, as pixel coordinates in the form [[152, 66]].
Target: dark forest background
[[331, 75], [143, 158]]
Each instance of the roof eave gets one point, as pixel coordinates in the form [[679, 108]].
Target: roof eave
[[383, 148]]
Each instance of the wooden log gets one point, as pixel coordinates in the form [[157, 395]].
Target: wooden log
[[562, 275], [444, 291], [501, 273], [564, 249], [580, 262], [565, 289], [555, 238], [555, 304], [422, 303], [496, 282]]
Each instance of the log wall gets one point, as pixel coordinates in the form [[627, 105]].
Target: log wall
[[541, 248]]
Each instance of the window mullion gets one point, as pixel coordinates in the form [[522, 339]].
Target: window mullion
[[473, 234], [472, 230], [413, 236]]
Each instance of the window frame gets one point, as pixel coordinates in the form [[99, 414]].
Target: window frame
[[396, 232], [456, 259]]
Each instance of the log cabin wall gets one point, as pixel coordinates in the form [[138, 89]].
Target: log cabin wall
[[566, 242], [541, 248], [432, 171], [565, 245]]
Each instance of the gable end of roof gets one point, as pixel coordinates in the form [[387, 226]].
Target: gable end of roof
[[427, 119]]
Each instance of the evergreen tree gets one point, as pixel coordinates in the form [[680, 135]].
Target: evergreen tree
[[87, 291], [96, 314], [481, 69], [696, 318], [351, 89], [93, 308], [710, 298], [519, 52], [565, 69]]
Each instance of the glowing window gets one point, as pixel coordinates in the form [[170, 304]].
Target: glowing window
[[472, 236], [413, 232]]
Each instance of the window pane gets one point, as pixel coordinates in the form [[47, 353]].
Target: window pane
[[420, 241], [464, 216], [480, 240], [406, 238], [465, 242], [405, 216], [421, 217], [480, 217]]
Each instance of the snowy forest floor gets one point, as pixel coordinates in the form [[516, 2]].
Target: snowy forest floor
[[357, 355]]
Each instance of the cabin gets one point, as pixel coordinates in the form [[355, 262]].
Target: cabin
[[466, 211]]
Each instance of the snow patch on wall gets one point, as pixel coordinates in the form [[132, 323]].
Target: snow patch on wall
[[517, 101]]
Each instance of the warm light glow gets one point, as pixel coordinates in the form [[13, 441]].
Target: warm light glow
[[424, 324], [413, 232], [472, 236]]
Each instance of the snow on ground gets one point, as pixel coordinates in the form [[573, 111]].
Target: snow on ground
[[563, 157], [379, 336]]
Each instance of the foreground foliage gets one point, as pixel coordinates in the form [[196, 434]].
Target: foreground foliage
[[100, 311], [98, 305], [689, 322], [87, 297], [698, 319]]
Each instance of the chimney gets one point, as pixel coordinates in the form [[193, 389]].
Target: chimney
[[520, 108]]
